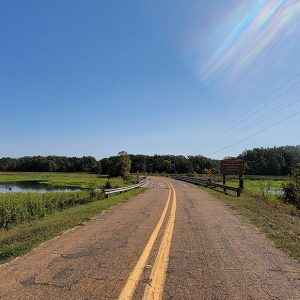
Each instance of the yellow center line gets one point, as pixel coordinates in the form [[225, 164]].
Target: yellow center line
[[134, 277], [155, 288]]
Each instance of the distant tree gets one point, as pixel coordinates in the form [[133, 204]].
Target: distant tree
[[259, 161], [138, 163], [50, 164], [183, 165], [104, 166], [271, 161], [124, 164], [89, 164], [201, 164], [113, 166], [167, 166]]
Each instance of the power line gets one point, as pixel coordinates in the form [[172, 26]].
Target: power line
[[269, 115], [265, 116], [258, 132], [256, 107]]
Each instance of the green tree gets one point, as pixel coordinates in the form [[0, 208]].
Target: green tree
[[167, 166], [125, 164]]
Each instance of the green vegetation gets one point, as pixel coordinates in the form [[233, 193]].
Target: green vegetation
[[260, 161], [258, 184], [23, 237], [50, 164], [292, 187], [271, 161], [277, 220], [119, 165], [16, 208], [163, 164], [125, 164], [81, 180]]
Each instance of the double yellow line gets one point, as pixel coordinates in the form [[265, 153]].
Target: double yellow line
[[155, 287]]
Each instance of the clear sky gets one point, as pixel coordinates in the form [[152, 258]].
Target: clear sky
[[90, 77]]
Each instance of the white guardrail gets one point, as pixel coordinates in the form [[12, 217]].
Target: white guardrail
[[108, 192]]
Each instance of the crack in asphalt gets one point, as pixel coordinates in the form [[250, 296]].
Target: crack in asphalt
[[32, 281]]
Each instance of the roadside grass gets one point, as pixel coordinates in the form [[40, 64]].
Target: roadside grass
[[278, 221], [254, 183], [82, 180], [16, 208], [258, 185], [22, 238]]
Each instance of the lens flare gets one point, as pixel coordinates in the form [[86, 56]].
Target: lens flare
[[256, 28]]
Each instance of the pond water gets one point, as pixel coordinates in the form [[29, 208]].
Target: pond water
[[33, 187], [277, 192]]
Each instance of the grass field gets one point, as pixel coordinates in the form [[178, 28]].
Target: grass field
[[81, 180]]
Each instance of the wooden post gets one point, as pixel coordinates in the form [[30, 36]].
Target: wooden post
[[241, 181], [224, 182]]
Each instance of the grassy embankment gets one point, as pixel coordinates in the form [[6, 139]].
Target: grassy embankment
[[268, 213], [28, 219]]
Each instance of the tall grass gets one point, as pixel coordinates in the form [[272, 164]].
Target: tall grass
[[17, 208]]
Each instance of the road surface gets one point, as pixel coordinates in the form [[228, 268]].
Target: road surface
[[172, 242]]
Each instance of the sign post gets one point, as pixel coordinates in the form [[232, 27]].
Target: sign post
[[233, 167]]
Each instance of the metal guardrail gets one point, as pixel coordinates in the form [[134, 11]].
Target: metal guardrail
[[208, 183], [108, 192]]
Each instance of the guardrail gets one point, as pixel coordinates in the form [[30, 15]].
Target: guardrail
[[208, 183], [108, 192]]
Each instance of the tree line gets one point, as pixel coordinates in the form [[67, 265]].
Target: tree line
[[161, 164], [271, 161], [259, 161], [50, 164]]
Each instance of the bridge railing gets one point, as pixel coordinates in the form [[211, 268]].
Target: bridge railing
[[208, 183], [108, 192]]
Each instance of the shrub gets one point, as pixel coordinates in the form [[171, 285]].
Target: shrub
[[108, 185], [291, 194], [291, 189]]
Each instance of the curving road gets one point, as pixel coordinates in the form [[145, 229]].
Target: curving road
[[172, 242]]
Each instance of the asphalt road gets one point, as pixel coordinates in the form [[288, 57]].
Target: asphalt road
[[172, 242]]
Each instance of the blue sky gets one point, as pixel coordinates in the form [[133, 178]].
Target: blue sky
[[169, 77]]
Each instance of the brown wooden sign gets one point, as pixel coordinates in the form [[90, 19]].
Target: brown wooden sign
[[232, 166]]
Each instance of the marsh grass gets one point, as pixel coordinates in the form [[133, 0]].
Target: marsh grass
[[16, 208], [81, 180]]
